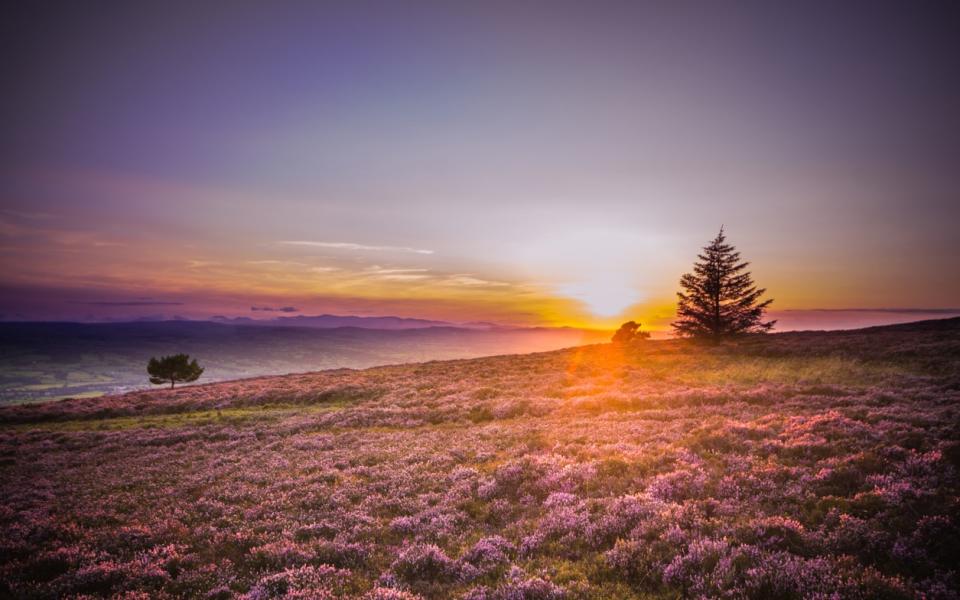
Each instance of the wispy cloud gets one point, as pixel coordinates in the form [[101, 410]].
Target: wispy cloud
[[127, 303], [405, 276], [469, 280], [397, 274], [29, 215], [283, 309], [199, 264], [34, 227], [354, 246], [377, 270], [267, 263]]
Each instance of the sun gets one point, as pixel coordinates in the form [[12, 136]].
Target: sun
[[604, 295]]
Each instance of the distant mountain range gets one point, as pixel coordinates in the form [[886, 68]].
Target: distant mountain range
[[335, 321]]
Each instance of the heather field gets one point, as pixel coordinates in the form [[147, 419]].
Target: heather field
[[807, 465]]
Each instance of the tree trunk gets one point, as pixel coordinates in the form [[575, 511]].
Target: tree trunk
[[171, 383]]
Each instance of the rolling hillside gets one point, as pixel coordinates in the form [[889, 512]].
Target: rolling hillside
[[794, 465]]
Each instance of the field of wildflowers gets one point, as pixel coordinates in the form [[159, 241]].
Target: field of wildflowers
[[808, 465]]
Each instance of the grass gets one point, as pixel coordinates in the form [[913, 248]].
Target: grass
[[750, 371], [670, 370], [240, 416], [75, 396], [793, 466]]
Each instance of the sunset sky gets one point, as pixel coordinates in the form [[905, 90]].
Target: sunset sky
[[524, 163]]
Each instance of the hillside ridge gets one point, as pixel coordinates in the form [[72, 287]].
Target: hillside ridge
[[665, 469], [875, 345]]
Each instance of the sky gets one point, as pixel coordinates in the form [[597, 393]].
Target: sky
[[530, 163]]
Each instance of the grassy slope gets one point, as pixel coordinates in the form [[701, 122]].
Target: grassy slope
[[656, 471]]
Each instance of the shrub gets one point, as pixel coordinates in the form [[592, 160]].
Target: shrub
[[425, 562]]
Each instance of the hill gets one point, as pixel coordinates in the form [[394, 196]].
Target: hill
[[794, 465]]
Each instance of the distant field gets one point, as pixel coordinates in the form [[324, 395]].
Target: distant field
[[52, 361], [805, 465]]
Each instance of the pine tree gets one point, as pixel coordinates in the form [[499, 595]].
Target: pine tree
[[719, 297]]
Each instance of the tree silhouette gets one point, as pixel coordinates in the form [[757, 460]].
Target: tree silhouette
[[719, 297], [629, 332], [176, 368]]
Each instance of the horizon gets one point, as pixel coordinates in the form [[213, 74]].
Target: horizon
[[810, 320], [515, 165]]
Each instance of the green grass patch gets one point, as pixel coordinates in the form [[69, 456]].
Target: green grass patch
[[228, 416], [751, 370]]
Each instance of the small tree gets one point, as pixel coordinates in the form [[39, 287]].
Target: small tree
[[719, 297], [176, 368], [629, 332]]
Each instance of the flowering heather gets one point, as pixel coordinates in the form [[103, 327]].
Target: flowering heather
[[814, 465]]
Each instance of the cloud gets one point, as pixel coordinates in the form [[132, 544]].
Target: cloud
[[283, 309], [353, 246], [29, 215], [32, 227], [126, 303], [275, 262], [324, 269], [392, 274], [199, 264], [404, 277], [376, 270], [469, 280]]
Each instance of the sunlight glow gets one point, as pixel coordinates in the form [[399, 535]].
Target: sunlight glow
[[604, 296]]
